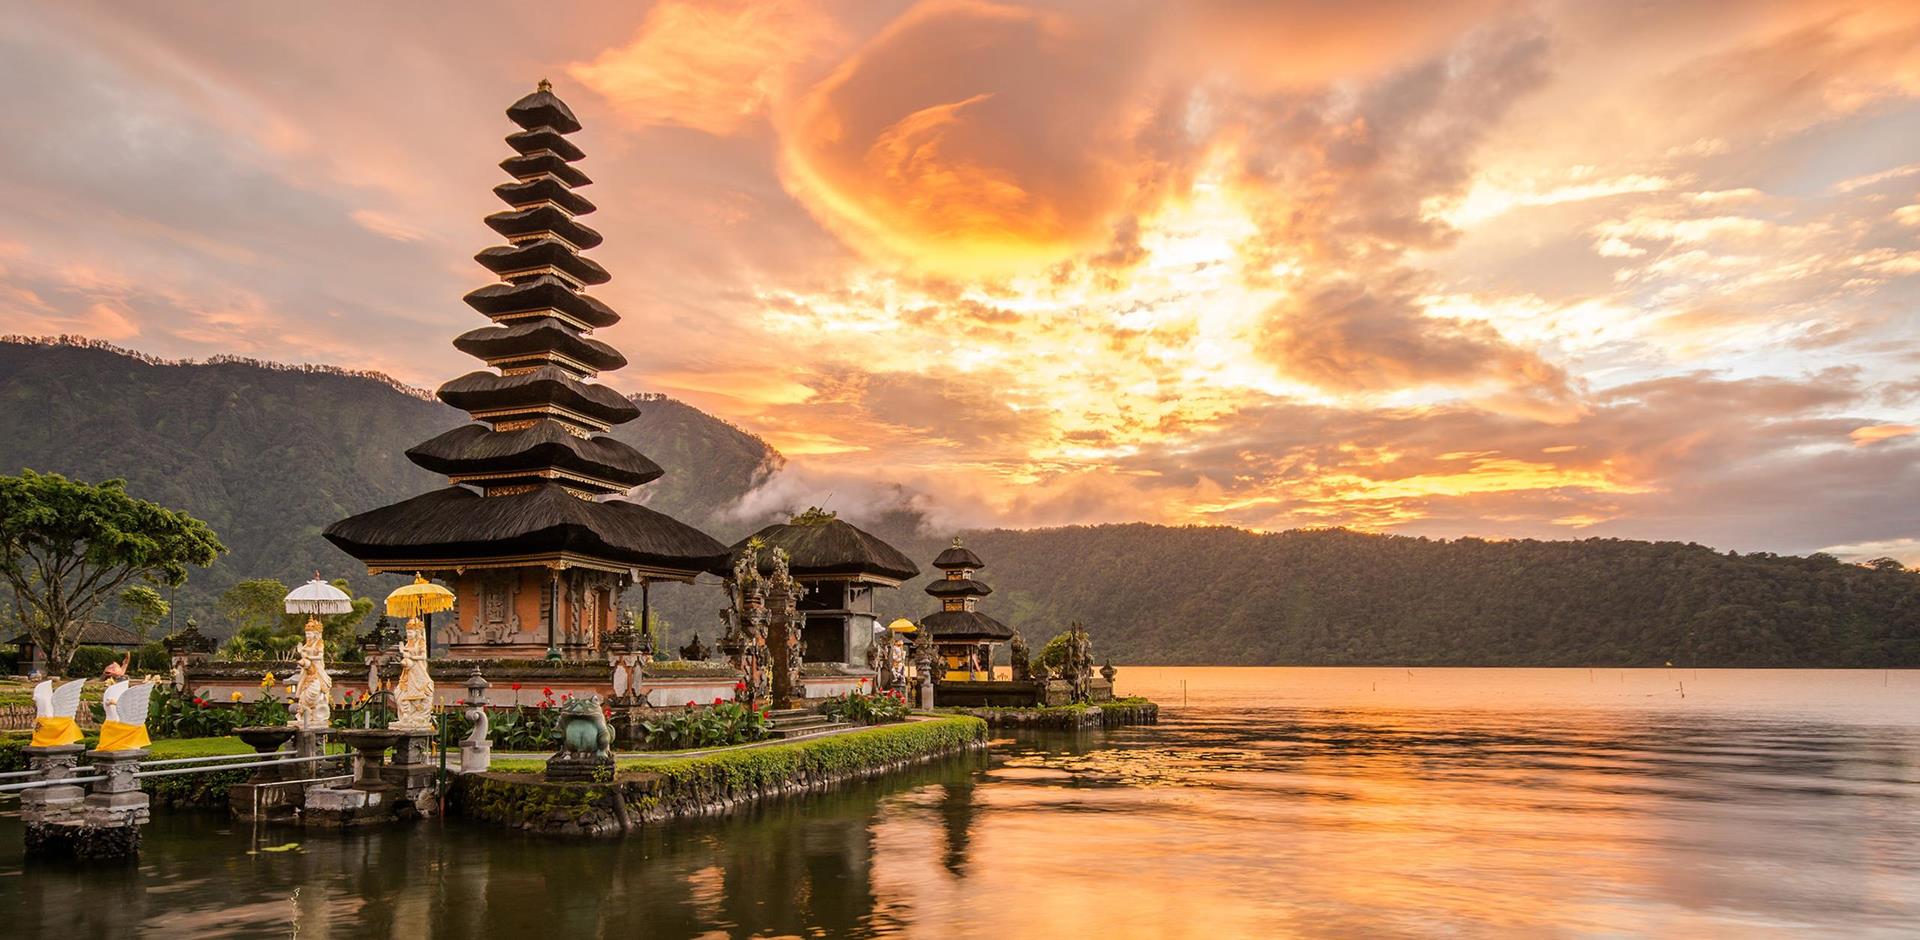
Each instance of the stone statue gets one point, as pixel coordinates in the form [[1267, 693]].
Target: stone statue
[[313, 694], [1107, 671], [1021, 667], [1079, 669], [586, 742], [695, 651], [413, 694], [53, 723]]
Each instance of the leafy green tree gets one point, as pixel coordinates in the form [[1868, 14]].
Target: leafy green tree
[[66, 547], [262, 629], [145, 608]]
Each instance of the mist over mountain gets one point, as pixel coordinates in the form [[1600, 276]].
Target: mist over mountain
[[269, 455]]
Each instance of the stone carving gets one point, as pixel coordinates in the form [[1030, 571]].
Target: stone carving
[[313, 692], [746, 640], [53, 708], [696, 651], [784, 632], [413, 694], [124, 724], [476, 752], [1107, 671], [1022, 668], [586, 742]]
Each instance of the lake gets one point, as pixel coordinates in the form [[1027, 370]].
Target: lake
[[1365, 802]]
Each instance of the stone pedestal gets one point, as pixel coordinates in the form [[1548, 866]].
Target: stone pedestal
[[114, 810], [381, 791], [51, 814], [261, 797], [475, 758], [581, 767]]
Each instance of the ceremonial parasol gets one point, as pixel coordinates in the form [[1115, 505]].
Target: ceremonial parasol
[[420, 597], [902, 625], [317, 597]]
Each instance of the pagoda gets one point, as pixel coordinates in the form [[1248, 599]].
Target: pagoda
[[533, 532], [962, 637]]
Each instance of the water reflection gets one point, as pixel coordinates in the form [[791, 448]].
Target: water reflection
[[1503, 804]]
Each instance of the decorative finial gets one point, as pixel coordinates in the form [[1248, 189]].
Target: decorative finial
[[956, 541], [544, 85]]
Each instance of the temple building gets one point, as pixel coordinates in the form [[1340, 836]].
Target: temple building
[[532, 531], [963, 638], [838, 566]]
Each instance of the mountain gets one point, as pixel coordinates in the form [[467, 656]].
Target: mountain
[[269, 455]]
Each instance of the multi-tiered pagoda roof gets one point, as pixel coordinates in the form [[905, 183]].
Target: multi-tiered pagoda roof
[[536, 478], [958, 592]]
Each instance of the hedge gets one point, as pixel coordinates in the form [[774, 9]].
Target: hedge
[[774, 763]]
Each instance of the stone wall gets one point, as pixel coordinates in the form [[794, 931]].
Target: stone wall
[[664, 789]]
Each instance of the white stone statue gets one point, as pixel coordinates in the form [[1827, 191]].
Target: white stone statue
[[313, 695], [413, 694]]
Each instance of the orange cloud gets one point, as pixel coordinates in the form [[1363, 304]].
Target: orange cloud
[[1874, 434], [712, 67]]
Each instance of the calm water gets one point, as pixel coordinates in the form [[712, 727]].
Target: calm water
[[1273, 802]]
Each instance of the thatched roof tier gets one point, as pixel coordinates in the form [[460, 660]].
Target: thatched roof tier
[[543, 109], [544, 218], [500, 395], [456, 523], [530, 165], [508, 260], [474, 449], [543, 188], [957, 557], [531, 340], [961, 587], [546, 292], [964, 626], [828, 548], [545, 138]]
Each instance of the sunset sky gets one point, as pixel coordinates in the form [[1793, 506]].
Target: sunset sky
[[1559, 270]]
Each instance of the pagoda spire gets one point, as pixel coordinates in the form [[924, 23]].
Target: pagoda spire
[[540, 415]]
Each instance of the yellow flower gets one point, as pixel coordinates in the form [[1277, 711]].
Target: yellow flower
[[266, 681], [290, 690], [236, 695]]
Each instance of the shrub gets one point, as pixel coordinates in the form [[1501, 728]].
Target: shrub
[[152, 657], [722, 724], [89, 661], [173, 715], [877, 708]]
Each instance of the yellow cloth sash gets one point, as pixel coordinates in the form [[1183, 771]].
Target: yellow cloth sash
[[120, 736], [52, 732]]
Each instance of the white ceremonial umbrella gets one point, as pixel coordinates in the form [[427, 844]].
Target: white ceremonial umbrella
[[318, 597]]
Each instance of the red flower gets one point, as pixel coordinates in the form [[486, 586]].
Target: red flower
[[197, 700], [739, 686], [352, 694], [716, 700], [548, 691], [689, 706], [516, 686]]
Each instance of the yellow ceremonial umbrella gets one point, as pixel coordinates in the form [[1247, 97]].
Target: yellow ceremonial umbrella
[[903, 625], [420, 597]]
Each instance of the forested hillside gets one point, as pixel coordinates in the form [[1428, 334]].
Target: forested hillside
[[269, 456]]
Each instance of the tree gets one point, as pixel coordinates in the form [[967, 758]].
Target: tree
[[262, 629], [145, 608], [66, 547], [1886, 564]]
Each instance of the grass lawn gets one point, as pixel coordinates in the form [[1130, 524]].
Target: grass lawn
[[198, 747]]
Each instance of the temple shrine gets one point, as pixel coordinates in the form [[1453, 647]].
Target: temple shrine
[[963, 638], [532, 531], [838, 566]]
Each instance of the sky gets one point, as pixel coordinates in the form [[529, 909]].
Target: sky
[[1502, 269]]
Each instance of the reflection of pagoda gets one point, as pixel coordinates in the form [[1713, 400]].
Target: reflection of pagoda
[[533, 533], [962, 636]]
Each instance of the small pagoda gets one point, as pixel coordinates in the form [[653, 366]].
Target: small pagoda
[[838, 566], [533, 532], [963, 638]]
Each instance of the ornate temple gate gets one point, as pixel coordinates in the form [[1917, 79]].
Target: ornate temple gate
[[785, 645]]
